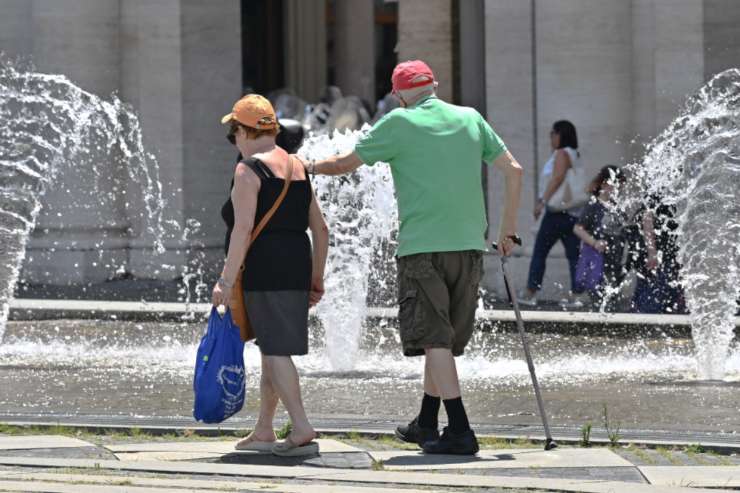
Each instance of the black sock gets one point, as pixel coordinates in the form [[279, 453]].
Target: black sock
[[429, 411], [456, 416]]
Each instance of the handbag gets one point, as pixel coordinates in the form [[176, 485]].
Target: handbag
[[236, 303], [589, 269]]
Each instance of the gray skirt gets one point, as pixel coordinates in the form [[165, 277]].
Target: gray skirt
[[279, 320]]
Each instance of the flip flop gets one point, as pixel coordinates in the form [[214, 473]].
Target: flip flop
[[254, 445], [287, 448]]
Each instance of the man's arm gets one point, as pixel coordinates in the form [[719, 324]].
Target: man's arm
[[337, 165], [512, 192]]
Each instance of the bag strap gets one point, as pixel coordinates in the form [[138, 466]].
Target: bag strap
[[268, 215]]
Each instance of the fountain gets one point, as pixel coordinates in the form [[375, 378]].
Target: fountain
[[694, 165], [51, 126], [360, 210], [110, 368]]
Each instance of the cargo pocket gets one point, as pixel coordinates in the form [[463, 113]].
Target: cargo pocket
[[410, 316]]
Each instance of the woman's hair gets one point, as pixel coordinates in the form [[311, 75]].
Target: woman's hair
[[253, 133], [567, 132], [610, 171]]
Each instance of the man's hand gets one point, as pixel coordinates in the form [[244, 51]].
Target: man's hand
[[317, 290], [506, 244]]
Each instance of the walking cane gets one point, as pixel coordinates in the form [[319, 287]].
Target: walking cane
[[549, 443]]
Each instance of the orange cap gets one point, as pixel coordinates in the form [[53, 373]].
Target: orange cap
[[253, 111]]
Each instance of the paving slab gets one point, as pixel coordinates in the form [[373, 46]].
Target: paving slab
[[167, 456], [44, 487], [30, 442], [409, 460], [168, 467], [472, 481], [215, 447], [201, 485], [700, 476], [353, 476]]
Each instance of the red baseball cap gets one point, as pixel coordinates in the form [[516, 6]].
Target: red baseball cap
[[411, 74]]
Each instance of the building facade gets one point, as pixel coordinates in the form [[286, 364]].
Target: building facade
[[618, 69]]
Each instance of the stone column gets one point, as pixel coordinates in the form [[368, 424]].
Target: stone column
[[668, 61], [77, 239], [181, 61], [721, 36], [305, 60], [211, 75], [425, 33], [509, 73], [78, 38], [679, 56], [16, 32], [354, 47], [151, 81]]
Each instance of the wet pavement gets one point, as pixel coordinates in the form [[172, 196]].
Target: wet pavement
[[129, 369]]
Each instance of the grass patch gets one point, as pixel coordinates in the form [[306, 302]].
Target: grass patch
[[377, 465], [586, 435], [283, 432], [641, 454], [667, 454], [505, 443]]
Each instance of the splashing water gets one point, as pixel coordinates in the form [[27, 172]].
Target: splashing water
[[52, 127], [694, 165], [360, 210]]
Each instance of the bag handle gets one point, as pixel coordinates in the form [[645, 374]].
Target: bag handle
[[266, 218]]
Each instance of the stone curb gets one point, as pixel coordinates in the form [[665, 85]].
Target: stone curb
[[376, 477], [719, 447]]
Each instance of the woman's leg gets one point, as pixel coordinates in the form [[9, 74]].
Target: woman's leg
[[546, 238], [284, 378], [263, 430]]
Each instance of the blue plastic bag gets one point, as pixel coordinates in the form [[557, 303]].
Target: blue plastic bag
[[219, 382]]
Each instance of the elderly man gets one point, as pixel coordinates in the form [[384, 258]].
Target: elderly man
[[435, 150]]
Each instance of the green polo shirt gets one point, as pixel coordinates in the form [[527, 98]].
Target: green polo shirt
[[435, 151]]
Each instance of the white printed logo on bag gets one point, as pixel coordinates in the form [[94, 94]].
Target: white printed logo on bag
[[231, 379]]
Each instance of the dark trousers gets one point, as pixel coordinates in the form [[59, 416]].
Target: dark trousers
[[555, 226]]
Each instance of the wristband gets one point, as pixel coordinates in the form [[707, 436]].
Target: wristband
[[223, 282]]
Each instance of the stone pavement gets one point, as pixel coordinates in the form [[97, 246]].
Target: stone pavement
[[62, 464]]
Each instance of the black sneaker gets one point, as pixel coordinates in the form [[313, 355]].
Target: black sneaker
[[413, 433], [463, 443]]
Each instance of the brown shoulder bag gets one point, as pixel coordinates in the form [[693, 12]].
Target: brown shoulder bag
[[238, 308]]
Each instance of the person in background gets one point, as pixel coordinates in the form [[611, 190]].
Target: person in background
[[601, 226], [562, 200], [658, 288]]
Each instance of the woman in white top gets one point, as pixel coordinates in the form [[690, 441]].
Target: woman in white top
[[563, 194]]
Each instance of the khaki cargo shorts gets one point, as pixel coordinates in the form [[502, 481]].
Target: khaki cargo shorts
[[437, 298]]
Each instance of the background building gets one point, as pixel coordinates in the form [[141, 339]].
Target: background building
[[618, 69]]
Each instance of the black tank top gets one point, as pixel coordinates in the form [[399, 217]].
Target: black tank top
[[280, 258]]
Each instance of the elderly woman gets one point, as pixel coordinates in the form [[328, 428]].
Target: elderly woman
[[283, 276]]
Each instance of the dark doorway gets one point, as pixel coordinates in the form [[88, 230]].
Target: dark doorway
[[262, 45]]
